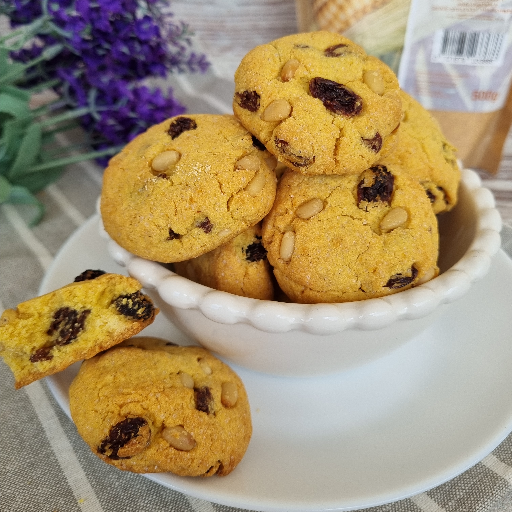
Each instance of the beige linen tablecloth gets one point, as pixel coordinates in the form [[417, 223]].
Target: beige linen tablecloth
[[46, 467]]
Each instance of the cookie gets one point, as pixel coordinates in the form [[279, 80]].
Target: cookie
[[318, 102], [239, 267], [347, 238], [186, 186], [46, 334], [146, 406], [424, 153]]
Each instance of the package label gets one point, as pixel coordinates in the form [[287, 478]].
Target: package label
[[457, 55]]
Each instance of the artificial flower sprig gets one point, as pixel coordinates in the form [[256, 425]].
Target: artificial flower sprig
[[95, 56]]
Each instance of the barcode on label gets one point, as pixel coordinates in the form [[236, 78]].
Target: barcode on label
[[469, 48]]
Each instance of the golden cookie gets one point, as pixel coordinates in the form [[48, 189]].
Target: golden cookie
[[239, 267], [46, 334], [147, 406], [186, 186], [424, 153], [353, 237], [318, 102]]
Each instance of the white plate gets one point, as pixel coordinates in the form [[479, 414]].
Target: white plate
[[371, 435]]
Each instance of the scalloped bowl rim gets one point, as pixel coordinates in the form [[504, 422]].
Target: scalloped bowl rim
[[330, 318]]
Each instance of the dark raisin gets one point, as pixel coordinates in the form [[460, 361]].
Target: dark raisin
[[119, 435], [258, 144], [67, 323], [401, 280], [255, 252], [337, 50], [249, 100], [373, 144], [430, 195], [89, 274], [135, 305], [204, 399], [180, 125], [376, 185], [336, 97], [173, 235], [205, 225], [41, 354], [294, 157]]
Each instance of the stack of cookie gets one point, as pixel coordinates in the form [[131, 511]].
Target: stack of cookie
[[336, 172]]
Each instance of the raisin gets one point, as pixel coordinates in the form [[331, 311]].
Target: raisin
[[41, 354], [430, 195], [205, 225], [336, 97], [337, 50], [294, 158], [255, 252], [376, 185], [67, 323], [135, 305], [373, 144], [400, 280], [249, 100], [88, 274], [180, 125], [258, 144], [120, 435], [173, 235], [204, 399]]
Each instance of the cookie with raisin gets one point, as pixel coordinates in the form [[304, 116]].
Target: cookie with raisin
[[46, 334], [424, 152], [186, 186], [240, 267], [318, 102], [347, 238], [150, 406]]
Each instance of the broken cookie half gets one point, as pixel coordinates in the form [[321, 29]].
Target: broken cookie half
[[46, 334]]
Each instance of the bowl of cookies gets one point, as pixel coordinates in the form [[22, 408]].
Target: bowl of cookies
[[321, 226]]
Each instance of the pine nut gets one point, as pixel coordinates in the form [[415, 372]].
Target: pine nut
[[309, 208], [289, 69], [429, 274], [205, 366], [276, 111], [186, 380], [287, 246], [8, 316], [374, 81], [395, 218], [249, 163], [163, 161], [229, 394], [256, 185], [179, 438], [271, 162]]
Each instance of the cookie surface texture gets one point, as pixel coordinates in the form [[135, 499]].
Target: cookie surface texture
[[424, 153], [240, 267], [151, 407], [318, 102], [186, 186], [46, 334], [345, 238]]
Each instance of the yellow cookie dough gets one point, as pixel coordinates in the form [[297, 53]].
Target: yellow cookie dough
[[239, 267], [46, 334], [318, 102], [345, 238], [147, 406], [425, 154], [186, 186]]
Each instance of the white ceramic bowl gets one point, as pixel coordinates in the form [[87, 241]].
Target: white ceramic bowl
[[313, 339]]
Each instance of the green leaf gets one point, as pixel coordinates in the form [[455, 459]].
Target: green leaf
[[28, 151], [13, 106], [20, 195], [5, 189], [36, 181]]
